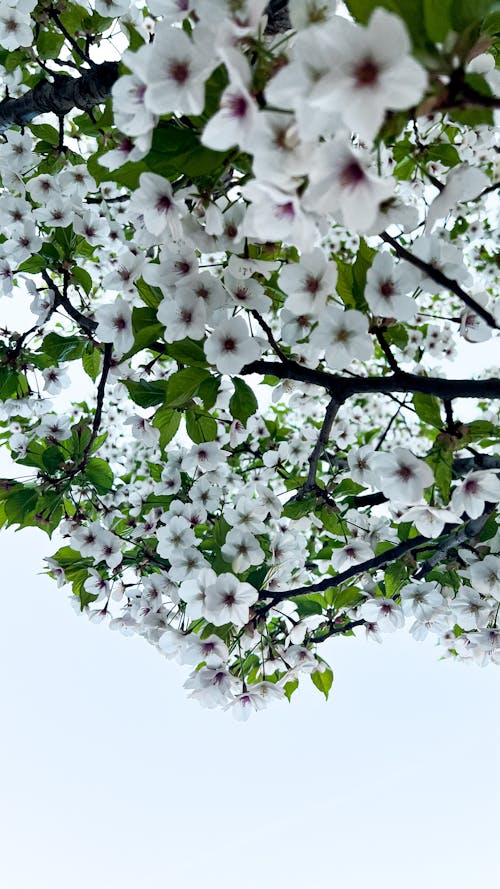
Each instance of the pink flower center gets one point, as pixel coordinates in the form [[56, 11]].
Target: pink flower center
[[179, 71], [366, 73], [352, 174]]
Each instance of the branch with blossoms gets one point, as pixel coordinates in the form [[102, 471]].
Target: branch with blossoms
[[345, 387], [443, 280], [223, 229]]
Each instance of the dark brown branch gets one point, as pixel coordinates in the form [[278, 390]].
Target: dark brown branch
[[441, 279], [61, 299], [344, 387], [465, 532], [385, 558], [60, 96], [319, 447]]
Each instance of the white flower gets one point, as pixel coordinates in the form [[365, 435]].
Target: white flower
[[371, 72], [56, 428], [429, 520], [463, 183], [421, 600], [359, 462], [247, 292], [343, 335], [308, 283], [229, 601], [485, 576], [175, 535], [211, 686], [387, 286], [155, 202], [402, 476], [230, 346], [177, 69], [15, 27], [471, 611], [182, 318], [353, 553], [142, 430], [55, 379], [477, 488], [340, 183], [194, 592], [237, 119], [384, 612], [276, 214], [242, 549], [114, 325]]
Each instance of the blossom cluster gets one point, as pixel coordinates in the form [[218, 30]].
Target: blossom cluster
[[234, 531]]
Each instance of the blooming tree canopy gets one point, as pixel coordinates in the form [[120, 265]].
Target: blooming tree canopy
[[264, 232]]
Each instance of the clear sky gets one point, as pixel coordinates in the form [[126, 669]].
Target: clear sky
[[110, 777]]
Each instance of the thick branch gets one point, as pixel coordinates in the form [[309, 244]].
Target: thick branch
[[441, 279], [343, 388], [61, 96]]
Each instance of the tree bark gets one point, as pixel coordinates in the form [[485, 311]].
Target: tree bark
[[60, 96]]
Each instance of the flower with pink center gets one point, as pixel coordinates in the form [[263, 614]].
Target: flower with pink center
[[371, 72], [229, 601], [342, 185], [402, 476], [477, 488], [230, 346]]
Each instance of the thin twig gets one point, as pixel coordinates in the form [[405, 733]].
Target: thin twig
[[441, 279]]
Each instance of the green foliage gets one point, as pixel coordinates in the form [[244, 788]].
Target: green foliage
[[100, 475], [323, 680], [428, 409], [243, 403]]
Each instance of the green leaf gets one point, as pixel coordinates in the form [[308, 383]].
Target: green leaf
[[243, 403], [395, 576], [428, 409], [33, 265], [411, 11], [146, 394], [200, 427], [91, 361], [82, 277], [307, 605], [295, 509], [182, 385], [467, 12], [178, 151], [52, 458], [64, 348], [445, 154], [167, 421], [99, 473], [20, 505], [323, 680], [49, 45], [208, 391], [45, 131], [188, 352], [364, 260], [290, 687], [8, 383], [347, 487], [440, 460], [437, 19]]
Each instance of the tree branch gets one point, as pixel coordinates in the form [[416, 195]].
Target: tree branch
[[441, 279], [344, 387], [319, 447], [61, 96]]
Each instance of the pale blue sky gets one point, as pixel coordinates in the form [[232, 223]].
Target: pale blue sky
[[111, 778]]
